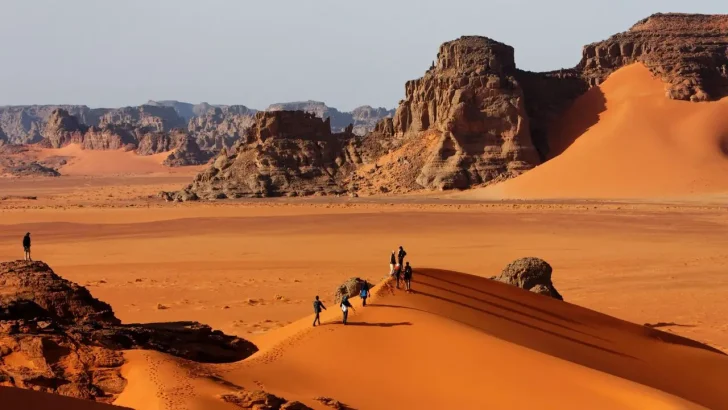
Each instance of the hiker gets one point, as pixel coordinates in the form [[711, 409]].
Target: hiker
[[317, 306], [408, 277], [345, 306], [392, 262], [364, 294], [398, 274], [26, 246], [401, 256]]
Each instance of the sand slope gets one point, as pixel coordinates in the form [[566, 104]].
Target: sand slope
[[459, 341], [626, 139]]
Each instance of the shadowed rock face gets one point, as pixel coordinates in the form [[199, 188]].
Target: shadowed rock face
[[283, 153], [532, 274], [73, 341]]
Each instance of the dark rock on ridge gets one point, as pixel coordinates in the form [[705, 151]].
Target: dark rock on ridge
[[532, 274], [363, 119]]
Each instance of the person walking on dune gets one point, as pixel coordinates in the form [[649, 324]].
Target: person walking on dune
[[26, 246], [317, 306], [401, 256], [364, 293], [392, 262], [408, 277], [398, 274], [345, 306]]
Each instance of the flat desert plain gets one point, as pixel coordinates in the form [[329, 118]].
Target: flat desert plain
[[252, 268]]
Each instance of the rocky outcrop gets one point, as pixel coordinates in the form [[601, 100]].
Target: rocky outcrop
[[689, 52], [155, 118], [3, 137], [363, 119], [531, 274], [463, 124], [221, 127], [284, 153], [260, 400], [351, 288], [25, 124], [56, 337], [62, 129], [187, 152]]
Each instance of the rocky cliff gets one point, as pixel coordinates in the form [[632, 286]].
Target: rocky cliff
[[221, 127], [3, 138], [464, 123], [284, 153], [689, 52], [62, 129], [363, 118]]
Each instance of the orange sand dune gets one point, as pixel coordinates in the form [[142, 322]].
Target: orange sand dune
[[19, 399], [104, 163], [632, 142], [458, 341]]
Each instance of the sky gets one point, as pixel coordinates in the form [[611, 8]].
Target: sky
[[346, 53]]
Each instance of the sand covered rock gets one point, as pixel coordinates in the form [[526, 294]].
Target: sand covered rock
[[463, 124], [260, 400], [63, 340], [352, 287], [531, 274], [289, 153]]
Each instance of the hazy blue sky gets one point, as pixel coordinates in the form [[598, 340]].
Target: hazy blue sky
[[344, 52]]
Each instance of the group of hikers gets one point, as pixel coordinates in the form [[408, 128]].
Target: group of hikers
[[397, 269]]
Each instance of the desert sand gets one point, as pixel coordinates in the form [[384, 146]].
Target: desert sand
[[625, 139], [641, 269]]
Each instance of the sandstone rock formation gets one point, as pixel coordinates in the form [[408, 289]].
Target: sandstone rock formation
[[532, 274], [464, 123], [3, 137], [284, 153], [146, 116], [56, 337], [687, 51], [221, 127], [351, 288], [363, 118], [63, 129], [260, 400]]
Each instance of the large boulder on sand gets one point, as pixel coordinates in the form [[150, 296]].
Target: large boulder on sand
[[532, 274], [351, 288]]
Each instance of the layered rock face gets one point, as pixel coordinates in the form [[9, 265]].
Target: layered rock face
[[221, 127], [56, 337], [464, 123], [363, 118], [689, 52], [146, 116], [63, 129], [283, 153]]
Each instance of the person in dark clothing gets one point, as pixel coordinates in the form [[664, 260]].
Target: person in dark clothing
[[398, 274], [364, 293], [26, 246], [392, 262], [400, 256], [408, 277], [317, 306], [345, 306]]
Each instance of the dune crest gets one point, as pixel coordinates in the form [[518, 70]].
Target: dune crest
[[461, 341]]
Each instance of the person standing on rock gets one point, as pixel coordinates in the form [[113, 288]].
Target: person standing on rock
[[392, 262], [401, 256], [26, 246], [317, 306], [408, 277], [345, 306], [364, 293]]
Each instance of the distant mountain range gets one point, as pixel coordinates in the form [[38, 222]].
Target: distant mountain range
[[26, 124]]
